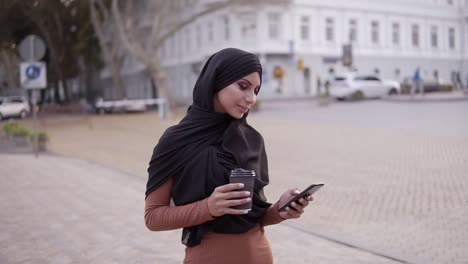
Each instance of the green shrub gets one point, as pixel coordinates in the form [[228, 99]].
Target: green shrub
[[445, 87], [9, 127], [405, 88], [13, 129], [41, 136], [358, 95]]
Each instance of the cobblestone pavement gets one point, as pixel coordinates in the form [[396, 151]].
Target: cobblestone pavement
[[395, 173], [63, 210]]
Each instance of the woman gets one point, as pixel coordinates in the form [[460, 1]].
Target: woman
[[192, 162]]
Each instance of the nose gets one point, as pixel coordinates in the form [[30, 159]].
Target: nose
[[251, 97]]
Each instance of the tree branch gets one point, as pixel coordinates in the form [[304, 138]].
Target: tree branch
[[137, 49]]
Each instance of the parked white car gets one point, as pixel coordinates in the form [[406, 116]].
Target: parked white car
[[353, 85], [14, 106]]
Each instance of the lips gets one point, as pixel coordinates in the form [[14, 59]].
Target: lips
[[244, 109]]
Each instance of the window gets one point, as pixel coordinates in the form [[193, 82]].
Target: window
[[188, 38], [372, 78], [434, 39], [248, 26], [329, 29], [227, 32], [397, 73], [415, 35], [172, 46], [375, 32], [274, 24], [396, 34], [163, 50], [450, 2], [179, 41], [352, 30], [210, 31], [199, 36], [451, 38], [305, 28]]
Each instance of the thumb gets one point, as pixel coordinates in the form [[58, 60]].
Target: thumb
[[294, 191]]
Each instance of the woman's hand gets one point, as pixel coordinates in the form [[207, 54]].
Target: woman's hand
[[297, 208], [226, 196]]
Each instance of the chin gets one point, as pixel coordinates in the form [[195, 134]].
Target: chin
[[237, 115]]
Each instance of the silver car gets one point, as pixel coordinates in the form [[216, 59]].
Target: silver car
[[14, 106], [356, 86]]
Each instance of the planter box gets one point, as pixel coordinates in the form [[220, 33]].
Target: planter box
[[21, 141], [41, 145]]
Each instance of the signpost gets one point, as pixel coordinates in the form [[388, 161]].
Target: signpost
[[33, 74], [347, 56]]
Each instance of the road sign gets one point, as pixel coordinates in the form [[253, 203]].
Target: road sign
[[32, 48], [347, 56], [33, 75], [291, 50]]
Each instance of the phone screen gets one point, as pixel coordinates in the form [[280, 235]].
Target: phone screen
[[308, 191]]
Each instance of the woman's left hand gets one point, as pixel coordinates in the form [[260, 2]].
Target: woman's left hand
[[296, 209]]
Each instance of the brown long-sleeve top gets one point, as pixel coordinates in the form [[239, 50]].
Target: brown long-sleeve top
[[248, 247]]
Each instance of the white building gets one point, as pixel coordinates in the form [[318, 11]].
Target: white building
[[389, 38]]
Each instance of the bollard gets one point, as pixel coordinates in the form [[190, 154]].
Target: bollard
[[163, 109]]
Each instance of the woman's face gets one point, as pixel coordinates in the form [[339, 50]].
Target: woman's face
[[237, 98]]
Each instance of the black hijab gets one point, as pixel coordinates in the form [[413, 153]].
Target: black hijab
[[200, 151]]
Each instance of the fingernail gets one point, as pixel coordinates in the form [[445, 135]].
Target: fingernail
[[246, 211], [241, 185], [247, 193], [248, 199]]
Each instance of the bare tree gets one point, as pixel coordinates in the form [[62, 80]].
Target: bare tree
[[169, 18], [9, 61], [113, 51]]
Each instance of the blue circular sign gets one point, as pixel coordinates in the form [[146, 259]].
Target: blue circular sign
[[33, 72]]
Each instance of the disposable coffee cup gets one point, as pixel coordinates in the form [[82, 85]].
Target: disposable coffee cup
[[247, 177]]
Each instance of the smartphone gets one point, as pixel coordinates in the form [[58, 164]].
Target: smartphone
[[308, 191]]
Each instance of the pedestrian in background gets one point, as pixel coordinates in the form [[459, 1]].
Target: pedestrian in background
[[192, 162], [417, 83]]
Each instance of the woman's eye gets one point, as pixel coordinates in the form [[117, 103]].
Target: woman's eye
[[243, 85]]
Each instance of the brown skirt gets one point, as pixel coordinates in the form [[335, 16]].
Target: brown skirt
[[251, 247]]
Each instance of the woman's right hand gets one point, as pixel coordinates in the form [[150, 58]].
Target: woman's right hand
[[226, 196]]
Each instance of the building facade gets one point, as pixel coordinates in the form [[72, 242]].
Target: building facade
[[300, 42]]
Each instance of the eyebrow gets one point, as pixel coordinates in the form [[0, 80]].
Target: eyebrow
[[249, 82]]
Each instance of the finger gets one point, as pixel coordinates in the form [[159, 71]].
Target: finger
[[229, 187], [303, 202], [310, 198], [234, 195], [294, 191], [232, 211], [297, 207], [292, 213], [231, 203]]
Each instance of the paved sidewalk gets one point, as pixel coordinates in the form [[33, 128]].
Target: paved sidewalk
[[396, 172], [62, 210], [430, 97]]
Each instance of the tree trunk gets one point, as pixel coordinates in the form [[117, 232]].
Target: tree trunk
[[56, 91], [116, 67], [66, 97], [162, 84]]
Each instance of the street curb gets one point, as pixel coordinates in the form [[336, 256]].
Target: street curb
[[353, 244], [428, 98]]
